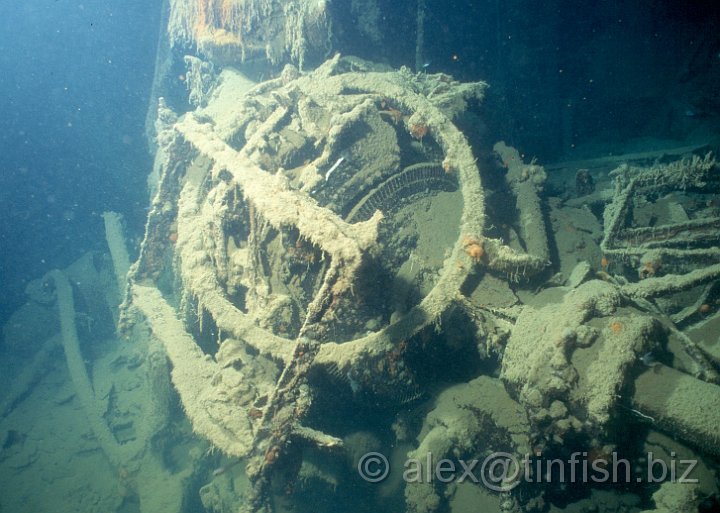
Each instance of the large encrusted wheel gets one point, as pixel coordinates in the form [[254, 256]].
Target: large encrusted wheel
[[284, 211]]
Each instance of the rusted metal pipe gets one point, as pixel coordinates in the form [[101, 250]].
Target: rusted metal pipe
[[681, 405]]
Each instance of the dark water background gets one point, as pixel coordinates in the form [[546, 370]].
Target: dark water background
[[75, 80]]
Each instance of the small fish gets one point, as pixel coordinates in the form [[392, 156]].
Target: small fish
[[333, 168], [221, 470], [649, 360], [354, 385]]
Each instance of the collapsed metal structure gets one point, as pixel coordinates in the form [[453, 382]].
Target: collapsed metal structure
[[331, 237], [286, 238]]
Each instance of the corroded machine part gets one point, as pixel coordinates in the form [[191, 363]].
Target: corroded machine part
[[677, 243], [323, 224], [279, 213], [679, 403]]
